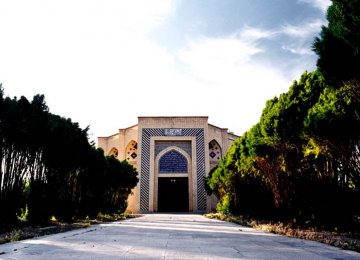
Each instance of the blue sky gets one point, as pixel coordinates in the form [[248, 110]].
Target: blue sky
[[103, 63]]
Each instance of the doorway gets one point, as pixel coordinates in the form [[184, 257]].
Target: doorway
[[173, 194]]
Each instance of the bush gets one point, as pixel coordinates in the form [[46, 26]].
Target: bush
[[223, 205]]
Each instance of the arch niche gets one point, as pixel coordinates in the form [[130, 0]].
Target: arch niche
[[173, 190], [215, 153], [131, 153], [114, 152]]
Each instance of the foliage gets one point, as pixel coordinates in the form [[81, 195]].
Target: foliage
[[49, 168], [338, 46], [296, 162], [16, 235], [304, 153], [118, 180]]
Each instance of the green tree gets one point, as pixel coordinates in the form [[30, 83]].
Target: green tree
[[119, 178], [338, 46], [305, 149], [295, 155], [66, 176], [333, 125], [236, 181], [20, 151]]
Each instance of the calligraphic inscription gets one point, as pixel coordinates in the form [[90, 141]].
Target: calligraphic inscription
[[173, 132]]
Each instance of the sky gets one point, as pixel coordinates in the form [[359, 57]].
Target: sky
[[103, 63]]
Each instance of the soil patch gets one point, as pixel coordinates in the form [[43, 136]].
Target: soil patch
[[24, 231], [349, 240]]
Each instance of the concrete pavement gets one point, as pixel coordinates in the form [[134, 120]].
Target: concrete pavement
[[170, 236]]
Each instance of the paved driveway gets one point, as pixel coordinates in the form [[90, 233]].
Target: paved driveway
[[168, 236]]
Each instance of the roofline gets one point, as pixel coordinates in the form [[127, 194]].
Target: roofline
[[107, 136], [140, 117], [119, 131], [173, 117], [128, 127], [234, 136], [218, 127], [225, 129]]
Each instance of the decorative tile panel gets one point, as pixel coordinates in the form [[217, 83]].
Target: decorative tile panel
[[183, 145], [114, 152], [214, 152], [147, 133], [173, 162], [131, 151]]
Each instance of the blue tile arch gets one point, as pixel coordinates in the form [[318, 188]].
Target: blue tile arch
[[173, 162], [147, 133], [182, 145]]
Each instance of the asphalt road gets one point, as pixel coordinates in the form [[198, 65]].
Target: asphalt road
[[170, 236]]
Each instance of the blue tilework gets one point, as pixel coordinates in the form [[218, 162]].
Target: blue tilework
[[147, 133], [173, 162], [183, 145]]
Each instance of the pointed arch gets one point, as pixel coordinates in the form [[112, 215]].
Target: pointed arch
[[215, 151], [173, 162], [114, 152], [189, 175], [131, 151]]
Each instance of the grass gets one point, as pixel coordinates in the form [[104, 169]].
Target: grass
[[349, 239], [16, 235]]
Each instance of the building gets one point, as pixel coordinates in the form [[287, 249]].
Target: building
[[172, 155]]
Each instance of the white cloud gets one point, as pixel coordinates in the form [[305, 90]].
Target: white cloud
[[299, 37], [303, 30], [96, 62], [87, 57], [297, 50], [251, 34], [319, 4], [140, 14], [236, 85], [209, 57]]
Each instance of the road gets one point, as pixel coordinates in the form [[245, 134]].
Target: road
[[170, 236]]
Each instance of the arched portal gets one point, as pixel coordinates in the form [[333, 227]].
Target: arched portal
[[173, 186]]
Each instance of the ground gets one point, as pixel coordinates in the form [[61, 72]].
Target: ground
[[349, 239], [23, 231], [169, 236]]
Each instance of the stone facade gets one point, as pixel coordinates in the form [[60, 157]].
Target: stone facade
[[177, 148]]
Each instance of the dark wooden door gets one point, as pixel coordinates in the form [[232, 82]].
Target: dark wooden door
[[173, 195]]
